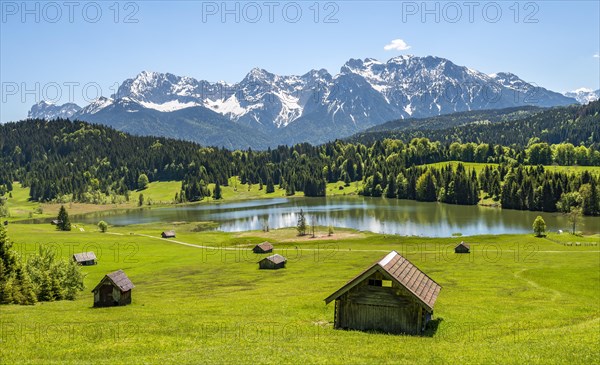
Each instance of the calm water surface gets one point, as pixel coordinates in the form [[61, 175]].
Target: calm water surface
[[390, 216]]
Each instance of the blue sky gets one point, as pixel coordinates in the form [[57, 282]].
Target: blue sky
[[50, 50]]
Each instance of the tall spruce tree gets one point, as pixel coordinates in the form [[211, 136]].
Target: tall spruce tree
[[301, 226], [63, 219], [217, 194]]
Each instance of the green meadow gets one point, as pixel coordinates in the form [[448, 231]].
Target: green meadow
[[200, 298]]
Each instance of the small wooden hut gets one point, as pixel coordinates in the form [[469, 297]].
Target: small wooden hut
[[265, 247], [462, 248], [113, 290], [391, 296], [168, 234], [272, 262], [85, 258]]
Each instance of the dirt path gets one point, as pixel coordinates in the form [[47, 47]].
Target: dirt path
[[555, 293], [238, 247]]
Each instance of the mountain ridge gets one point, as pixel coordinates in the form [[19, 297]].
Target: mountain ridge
[[314, 107]]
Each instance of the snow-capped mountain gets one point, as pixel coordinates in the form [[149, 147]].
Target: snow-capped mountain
[[584, 95], [45, 110], [318, 106]]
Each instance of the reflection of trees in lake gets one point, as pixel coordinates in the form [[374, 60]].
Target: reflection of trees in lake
[[392, 216]]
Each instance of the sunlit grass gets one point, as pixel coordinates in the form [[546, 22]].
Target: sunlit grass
[[516, 299]]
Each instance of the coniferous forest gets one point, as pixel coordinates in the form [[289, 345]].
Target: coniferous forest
[[64, 160]]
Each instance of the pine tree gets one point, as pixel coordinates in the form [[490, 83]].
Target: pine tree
[[402, 186], [26, 290], [289, 188], [45, 293], [217, 194], [589, 198], [270, 186], [391, 190], [301, 226], [15, 284], [63, 219], [7, 256]]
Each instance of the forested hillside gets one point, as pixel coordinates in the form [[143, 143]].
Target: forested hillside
[[572, 124], [75, 161]]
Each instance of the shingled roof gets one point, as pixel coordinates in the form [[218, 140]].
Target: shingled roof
[[276, 259], [463, 244], [84, 256], [265, 246], [404, 273], [119, 279]]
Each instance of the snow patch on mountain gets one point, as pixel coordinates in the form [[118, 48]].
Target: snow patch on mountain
[[46, 110], [96, 105], [169, 106], [584, 95]]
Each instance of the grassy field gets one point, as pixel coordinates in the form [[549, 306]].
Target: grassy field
[[515, 299]]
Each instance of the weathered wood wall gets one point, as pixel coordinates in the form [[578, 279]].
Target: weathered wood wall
[[266, 264], [379, 308]]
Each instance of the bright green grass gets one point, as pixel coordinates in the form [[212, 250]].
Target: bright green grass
[[478, 167], [516, 299], [339, 188], [159, 192], [19, 205], [164, 191]]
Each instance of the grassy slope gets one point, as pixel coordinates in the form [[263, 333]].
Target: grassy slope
[[515, 299]]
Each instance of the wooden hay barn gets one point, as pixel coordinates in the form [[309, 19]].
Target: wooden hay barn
[[462, 248], [272, 262], [113, 290], [85, 258], [168, 234], [391, 296], [264, 247]]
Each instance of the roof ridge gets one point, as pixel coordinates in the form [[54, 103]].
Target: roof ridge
[[418, 293], [386, 260]]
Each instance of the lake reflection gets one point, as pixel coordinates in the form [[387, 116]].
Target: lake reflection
[[390, 216]]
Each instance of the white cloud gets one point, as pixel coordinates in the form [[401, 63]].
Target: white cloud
[[596, 55], [396, 44]]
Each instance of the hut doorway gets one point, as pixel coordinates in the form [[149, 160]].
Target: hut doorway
[[106, 295]]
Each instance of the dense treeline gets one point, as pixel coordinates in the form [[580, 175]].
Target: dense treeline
[[87, 161], [446, 121], [76, 161]]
